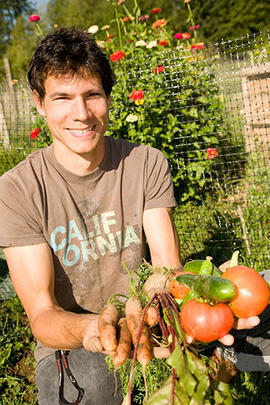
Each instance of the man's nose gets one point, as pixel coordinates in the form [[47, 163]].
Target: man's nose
[[80, 110]]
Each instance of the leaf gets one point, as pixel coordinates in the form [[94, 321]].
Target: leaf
[[163, 395], [222, 394], [234, 259]]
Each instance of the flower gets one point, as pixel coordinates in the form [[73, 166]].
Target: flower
[[120, 2], [105, 27], [136, 95], [141, 43], [194, 27], [163, 42], [132, 118], [117, 55], [211, 153], [101, 44], [93, 29], [199, 45], [178, 35], [110, 36], [186, 1], [159, 23], [143, 18], [155, 10], [186, 35], [158, 69], [125, 19], [151, 44], [34, 17], [34, 133]]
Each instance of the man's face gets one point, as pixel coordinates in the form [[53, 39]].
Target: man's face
[[77, 113]]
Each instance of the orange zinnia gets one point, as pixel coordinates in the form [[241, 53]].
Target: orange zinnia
[[159, 23]]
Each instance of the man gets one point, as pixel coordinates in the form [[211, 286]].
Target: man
[[74, 212]]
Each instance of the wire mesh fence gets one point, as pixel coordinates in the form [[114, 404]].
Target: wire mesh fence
[[221, 146]]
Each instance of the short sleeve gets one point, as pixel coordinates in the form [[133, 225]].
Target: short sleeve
[[159, 192], [18, 225]]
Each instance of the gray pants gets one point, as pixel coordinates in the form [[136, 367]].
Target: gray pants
[[91, 373]]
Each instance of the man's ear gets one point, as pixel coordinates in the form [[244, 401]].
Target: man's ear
[[38, 103]]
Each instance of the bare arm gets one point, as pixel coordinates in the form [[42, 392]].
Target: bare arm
[[162, 237], [32, 273]]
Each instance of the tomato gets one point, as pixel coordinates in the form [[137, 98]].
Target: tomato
[[177, 289], [205, 322], [252, 291]]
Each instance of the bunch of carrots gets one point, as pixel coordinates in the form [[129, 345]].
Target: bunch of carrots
[[146, 325]]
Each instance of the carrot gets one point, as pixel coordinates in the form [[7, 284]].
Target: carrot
[[151, 317], [107, 323], [124, 344], [139, 332]]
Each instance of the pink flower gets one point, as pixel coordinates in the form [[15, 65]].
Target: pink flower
[[34, 133], [178, 35], [194, 27], [136, 95], [163, 42], [211, 153], [34, 17], [143, 18], [120, 2], [158, 69], [155, 11], [117, 55]]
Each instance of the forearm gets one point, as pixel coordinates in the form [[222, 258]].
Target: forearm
[[61, 329]]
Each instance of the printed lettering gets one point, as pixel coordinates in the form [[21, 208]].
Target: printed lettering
[[76, 254], [103, 243], [106, 222], [73, 231], [130, 236], [96, 225], [58, 229], [88, 248]]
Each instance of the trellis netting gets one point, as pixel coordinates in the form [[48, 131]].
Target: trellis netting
[[210, 115]]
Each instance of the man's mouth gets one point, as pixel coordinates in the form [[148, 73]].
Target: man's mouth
[[82, 132]]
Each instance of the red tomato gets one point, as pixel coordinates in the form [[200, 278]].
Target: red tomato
[[205, 322], [177, 289], [252, 291]]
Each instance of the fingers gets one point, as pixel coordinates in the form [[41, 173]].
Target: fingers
[[227, 340], [93, 344], [246, 323]]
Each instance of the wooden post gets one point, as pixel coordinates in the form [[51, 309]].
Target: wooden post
[[4, 134], [11, 88]]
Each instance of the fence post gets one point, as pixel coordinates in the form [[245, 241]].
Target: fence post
[[11, 88], [4, 134]]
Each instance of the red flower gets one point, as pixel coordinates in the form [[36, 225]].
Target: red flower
[[136, 95], [34, 17], [158, 69], [117, 55], [34, 133], [155, 10], [199, 45], [163, 42], [194, 27], [211, 153], [186, 35], [125, 19], [178, 35], [159, 23], [143, 18], [110, 36]]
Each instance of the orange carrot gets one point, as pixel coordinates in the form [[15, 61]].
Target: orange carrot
[[124, 344], [107, 323], [151, 317], [137, 327]]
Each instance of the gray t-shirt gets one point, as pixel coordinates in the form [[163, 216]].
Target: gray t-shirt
[[92, 223]]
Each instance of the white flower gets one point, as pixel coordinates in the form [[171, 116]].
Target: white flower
[[151, 44], [93, 29], [132, 118], [140, 43]]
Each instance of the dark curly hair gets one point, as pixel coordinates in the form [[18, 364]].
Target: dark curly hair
[[68, 51]]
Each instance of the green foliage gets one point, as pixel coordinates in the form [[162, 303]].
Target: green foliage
[[11, 157], [16, 356]]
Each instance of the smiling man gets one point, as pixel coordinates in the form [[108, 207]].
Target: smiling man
[[74, 212]]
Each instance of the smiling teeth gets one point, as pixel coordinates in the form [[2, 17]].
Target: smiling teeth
[[81, 132]]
